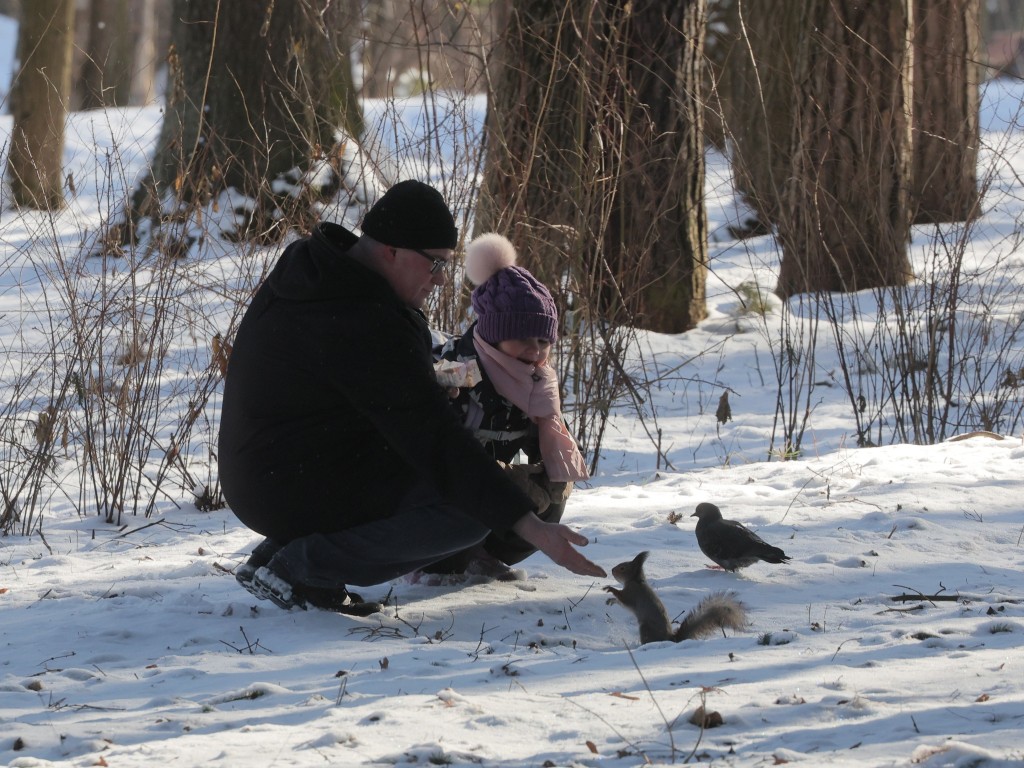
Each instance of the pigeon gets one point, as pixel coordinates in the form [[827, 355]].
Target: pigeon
[[731, 544]]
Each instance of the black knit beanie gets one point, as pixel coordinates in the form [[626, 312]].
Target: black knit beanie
[[411, 215]]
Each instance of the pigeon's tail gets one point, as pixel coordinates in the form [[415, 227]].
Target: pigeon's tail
[[715, 612]]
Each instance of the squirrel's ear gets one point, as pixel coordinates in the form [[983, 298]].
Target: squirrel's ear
[[640, 559]]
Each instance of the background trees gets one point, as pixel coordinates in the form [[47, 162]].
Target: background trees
[[594, 135], [756, 100], [947, 72], [406, 47], [105, 75], [119, 47], [257, 91], [39, 102], [845, 219], [658, 223], [592, 162], [595, 157], [837, 144]]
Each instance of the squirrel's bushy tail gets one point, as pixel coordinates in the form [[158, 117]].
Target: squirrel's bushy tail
[[716, 611]]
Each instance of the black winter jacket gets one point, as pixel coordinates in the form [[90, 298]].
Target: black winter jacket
[[331, 410], [500, 427]]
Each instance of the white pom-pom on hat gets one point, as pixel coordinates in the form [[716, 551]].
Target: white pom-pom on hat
[[509, 302], [488, 254]]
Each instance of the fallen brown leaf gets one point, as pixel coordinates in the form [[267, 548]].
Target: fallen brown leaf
[[704, 719]]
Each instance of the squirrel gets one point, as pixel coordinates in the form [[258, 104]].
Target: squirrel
[[716, 611]]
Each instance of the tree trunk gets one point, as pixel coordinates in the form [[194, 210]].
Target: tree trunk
[[760, 103], [847, 221], [144, 52], [106, 73], [255, 90], [657, 223], [39, 104], [594, 155], [533, 190], [946, 102]]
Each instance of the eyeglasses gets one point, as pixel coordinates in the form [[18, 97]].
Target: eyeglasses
[[438, 263]]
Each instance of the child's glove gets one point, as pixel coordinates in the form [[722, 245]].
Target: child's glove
[[558, 492], [530, 478]]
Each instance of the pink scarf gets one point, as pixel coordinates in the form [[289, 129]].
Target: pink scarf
[[534, 390]]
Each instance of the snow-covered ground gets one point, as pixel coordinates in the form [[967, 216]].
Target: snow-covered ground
[[137, 646], [134, 646]]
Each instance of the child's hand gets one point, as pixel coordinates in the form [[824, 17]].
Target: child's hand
[[521, 475]]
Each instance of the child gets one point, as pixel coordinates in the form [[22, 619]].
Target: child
[[514, 405]]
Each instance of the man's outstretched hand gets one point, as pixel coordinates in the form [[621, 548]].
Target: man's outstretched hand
[[556, 541]]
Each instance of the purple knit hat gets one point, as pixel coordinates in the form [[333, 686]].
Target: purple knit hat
[[510, 303]]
